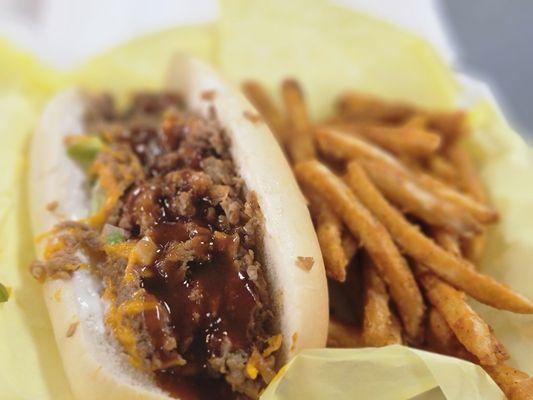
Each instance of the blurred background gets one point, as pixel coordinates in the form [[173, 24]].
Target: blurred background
[[489, 39], [493, 40]]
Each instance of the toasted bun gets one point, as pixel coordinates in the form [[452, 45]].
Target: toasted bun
[[94, 363]]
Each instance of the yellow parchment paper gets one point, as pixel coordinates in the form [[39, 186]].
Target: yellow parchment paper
[[329, 49], [393, 372], [30, 367], [143, 60]]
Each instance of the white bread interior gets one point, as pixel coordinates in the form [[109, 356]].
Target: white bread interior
[[94, 364]]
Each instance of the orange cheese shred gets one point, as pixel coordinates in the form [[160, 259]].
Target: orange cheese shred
[[274, 343]]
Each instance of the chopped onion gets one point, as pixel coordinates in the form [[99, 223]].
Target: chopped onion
[[145, 250]]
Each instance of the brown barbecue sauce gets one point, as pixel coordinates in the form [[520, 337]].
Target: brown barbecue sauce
[[209, 301]]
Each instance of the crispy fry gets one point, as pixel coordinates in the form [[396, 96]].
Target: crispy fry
[[260, 98], [411, 164], [470, 329], [447, 241], [314, 176], [451, 244], [450, 124], [479, 210], [345, 147], [516, 385], [401, 140], [452, 269], [474, 247], [329, 233], [359, 106], [468, 179], [404, 191], [350, 246], [379, 325], [470, 183], [342, 335], [523, 390], [439, 337], [416, 121], [300, 142], [442, 168]]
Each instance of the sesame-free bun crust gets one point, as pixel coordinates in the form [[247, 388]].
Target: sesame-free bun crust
[[94, 364]]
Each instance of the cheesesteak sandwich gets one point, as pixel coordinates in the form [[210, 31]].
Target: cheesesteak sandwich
[[177, 253]]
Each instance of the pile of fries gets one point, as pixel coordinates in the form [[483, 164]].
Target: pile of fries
[[401, 218]]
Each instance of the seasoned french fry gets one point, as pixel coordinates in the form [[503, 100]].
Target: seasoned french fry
[[451, 125], [468, 326], [441, 339], [522, 390], [470, 183], [350, 246], [474, 334], [345, 147], [401, 140], [516, 385], [405, 293], [468, 179], [361, 106], [451, 244], [447, 241], [342, 335], [442, 168], [439, 336], [379, 325], [479, 210], [260, 98], [452, 269], [329, 233], [405, 193], [300, 142], [416, 121], [474, 247]]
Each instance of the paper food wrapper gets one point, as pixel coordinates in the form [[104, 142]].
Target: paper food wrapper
[[328, 49]]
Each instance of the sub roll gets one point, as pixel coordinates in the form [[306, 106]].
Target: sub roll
[[177, 255]]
